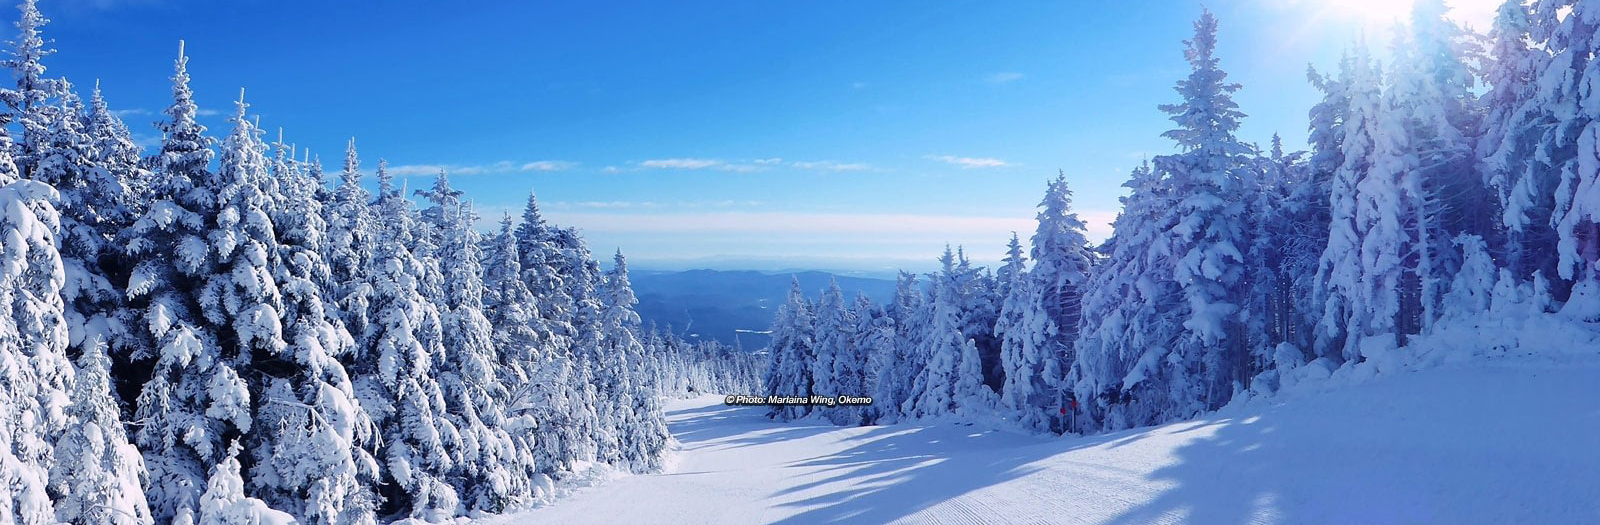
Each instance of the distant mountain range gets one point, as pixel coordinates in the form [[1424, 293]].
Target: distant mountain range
[[734, 305]]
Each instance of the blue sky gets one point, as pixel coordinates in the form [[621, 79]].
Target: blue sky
[[827, 134]]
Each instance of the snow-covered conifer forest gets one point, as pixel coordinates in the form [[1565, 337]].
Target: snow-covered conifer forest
[[217, 333], [217, 330], [1448, 207]]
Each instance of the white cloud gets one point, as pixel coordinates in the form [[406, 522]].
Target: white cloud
[[858, 85], [626, 205], [125, 113], [207, 112], [971, 162], [1003, 77], [936, 226], [408, 170], [700, 164], [1097, 224], [549, 165], [767, 162], [504, 166], [829, 165], [681, 164], [607, 204], [146, 141]]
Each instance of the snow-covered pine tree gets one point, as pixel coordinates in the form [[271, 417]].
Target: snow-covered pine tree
[[194, 399], [643, 436], [833, 340], [29, 104], [1207, 240], [552, 280], [350, 245], [1021, 400], [101, 475], [1046, 311], [35, 388], [951, 381], [467, 375], [872, 347], [1272, 257], [1339, 271], [1510, 134], [1572, 31], [536, 377], [225, 503], [980, 309], [115, 152], [836, 370], [792, 351], [309, 446], [1132, 316], [1432, 95], [1387, 305], [393, 369], [899, 364], [93, 204]]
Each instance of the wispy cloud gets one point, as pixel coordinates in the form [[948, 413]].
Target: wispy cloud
[[1003, 77], [970, 162], [549, 165], [700, 164], [681, 164], [125, 113], [858, 85], [205, 112], [146, 141], [504, 166], [635, 205], [828, 165], [768, 162], [935, 226]]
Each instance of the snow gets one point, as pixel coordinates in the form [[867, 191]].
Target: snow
[[1483, 441]]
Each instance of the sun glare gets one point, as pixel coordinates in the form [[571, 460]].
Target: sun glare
[[1373, 11], [1382, 13]]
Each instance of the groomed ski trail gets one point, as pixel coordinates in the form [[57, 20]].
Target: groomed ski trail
[[1490, 442]]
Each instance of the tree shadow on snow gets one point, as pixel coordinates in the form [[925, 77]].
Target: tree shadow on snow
[[747, 425], [1274, 469], [898, 470]]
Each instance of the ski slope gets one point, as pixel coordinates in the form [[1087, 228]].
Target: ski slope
[[1495, 442]]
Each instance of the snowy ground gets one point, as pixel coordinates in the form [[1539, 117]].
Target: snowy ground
[[1497, 442]]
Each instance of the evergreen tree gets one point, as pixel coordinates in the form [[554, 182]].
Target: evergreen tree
[[394, 365], [467, 375], [224, 502], [1568, 147], [309, 447], [536, 377], [1510, 134], [1207, 239], [793, 348], [1044, 312], [195, 398], [1133, 316], [35, 385], [100, 475], [643, 429], [1340, 270], [893, 362], [951, 380], [29, 104], [837, 367], [872, 347]]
